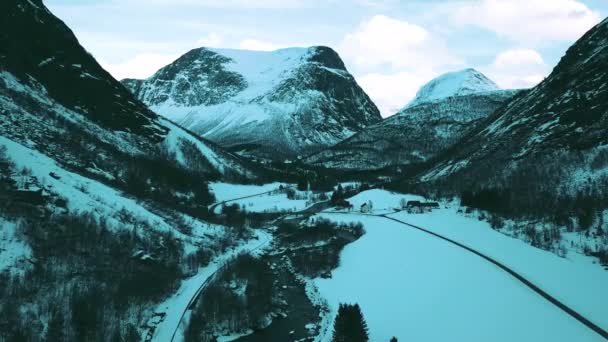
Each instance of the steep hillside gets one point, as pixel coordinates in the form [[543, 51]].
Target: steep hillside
[[51, 90], [417, 133], [546, 151], [276, 104], [103, 204]]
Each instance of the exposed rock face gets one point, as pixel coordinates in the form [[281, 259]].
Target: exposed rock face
[[276, 104]]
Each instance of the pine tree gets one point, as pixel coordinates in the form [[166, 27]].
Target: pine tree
[[394, 339], [350, 326], [55, 329]]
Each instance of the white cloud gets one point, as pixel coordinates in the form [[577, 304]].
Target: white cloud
[[394, 58], [529, 21], [211, 40], [391, 92], [140, 66], [228, 4], [383, 41], [517, 68]]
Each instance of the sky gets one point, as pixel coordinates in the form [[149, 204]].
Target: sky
[[392, 47]]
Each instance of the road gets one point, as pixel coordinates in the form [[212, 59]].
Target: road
[[519, 277], [215, 205], [173, 310], [168, 329]]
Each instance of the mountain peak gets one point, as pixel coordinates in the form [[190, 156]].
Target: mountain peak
[[456, 83], [295, 100]]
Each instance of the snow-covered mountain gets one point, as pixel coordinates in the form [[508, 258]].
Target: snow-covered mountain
[[547, 148], [420, 131], [275, 104], [457, 83]]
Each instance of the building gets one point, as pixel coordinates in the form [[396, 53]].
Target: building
[[421, 207], [365, 208]]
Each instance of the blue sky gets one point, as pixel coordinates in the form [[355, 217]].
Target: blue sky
[[392, 47]]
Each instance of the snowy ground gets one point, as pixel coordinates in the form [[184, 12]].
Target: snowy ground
[[176, 305], [228, 191], [13, 252], [260, 198], [572, 280], [88, 195], [420, 288]]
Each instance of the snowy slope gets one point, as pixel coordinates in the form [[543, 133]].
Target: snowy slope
[[275, 104], [457, 83], [415, 134], [52, 89], [547, 144]]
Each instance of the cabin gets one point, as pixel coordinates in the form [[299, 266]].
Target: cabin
[[365, 208], [430, 205], [413, 204], [421, 207]]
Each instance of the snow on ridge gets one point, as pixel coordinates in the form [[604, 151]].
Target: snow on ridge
[[456, 83], [262, 70]]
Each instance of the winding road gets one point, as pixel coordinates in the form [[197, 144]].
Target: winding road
[[174, 309], [168, 328]]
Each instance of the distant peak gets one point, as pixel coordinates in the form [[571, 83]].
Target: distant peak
[[456, 83]]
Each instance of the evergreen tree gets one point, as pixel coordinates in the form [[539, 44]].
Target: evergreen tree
[[350, 326], [394, 339], [337, 195], [55, 330]]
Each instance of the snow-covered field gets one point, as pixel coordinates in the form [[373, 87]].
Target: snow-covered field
[[573, 280], [419, 288], [258, 199], [229, 191]]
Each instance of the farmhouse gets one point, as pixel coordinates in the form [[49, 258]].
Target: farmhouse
[[430, 205], [365, 208], [420, 207]]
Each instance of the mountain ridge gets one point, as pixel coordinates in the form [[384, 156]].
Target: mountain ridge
[[421, 130], [282, 103]]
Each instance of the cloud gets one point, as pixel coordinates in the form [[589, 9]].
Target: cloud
[[391, 92], [140, 66], [385, 41], [226, 4], [394, 58], [211, 40], [529, 21], [517, 68]]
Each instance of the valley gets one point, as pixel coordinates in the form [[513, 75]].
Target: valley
[[255, 195]]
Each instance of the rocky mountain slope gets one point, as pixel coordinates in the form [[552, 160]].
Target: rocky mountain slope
[[548, 146], [276, 104], [51, 90], [103, 203], [444, 110]]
